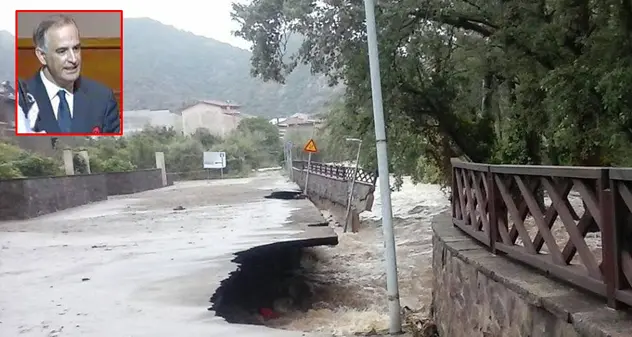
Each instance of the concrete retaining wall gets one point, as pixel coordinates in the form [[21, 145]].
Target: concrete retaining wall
[[336, 190], [333, 193], [31, 197], [133, 182], [476, 293]]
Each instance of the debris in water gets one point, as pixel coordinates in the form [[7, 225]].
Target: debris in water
[[418, 209], [268, 313]]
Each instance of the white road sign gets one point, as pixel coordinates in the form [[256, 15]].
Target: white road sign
[[214, 160]]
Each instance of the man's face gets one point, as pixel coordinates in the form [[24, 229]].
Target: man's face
[[62, 56]]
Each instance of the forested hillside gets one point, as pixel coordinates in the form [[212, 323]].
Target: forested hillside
[[166, 67]]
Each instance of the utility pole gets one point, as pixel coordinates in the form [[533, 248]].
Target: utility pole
[[392, 286]]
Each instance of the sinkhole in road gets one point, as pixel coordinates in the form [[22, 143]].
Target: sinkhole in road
[[286, 195], [288, 286], [270, 281]]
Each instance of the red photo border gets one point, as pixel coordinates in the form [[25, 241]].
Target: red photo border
[[121, 95]]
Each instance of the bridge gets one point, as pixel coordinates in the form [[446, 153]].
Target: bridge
[[526, 251]]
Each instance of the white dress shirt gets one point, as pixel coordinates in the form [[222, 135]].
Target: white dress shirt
[[52, 89], [26, 121]]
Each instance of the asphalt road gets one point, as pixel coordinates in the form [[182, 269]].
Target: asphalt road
[[134, 266]]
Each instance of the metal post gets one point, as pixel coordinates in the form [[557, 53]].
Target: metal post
[[392, 286], [291, 163], [285, 157], [353, 180], [288, 164], [309, 163]]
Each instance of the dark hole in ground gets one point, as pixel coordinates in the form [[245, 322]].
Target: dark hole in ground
[[269, 281], [286, 195], [276, 277]]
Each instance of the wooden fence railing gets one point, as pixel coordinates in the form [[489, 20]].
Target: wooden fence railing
[[574, 223], [337, 171]]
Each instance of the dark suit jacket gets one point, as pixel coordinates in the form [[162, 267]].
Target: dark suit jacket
[[94, 111]]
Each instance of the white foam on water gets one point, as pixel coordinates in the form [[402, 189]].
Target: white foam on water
[[356, 298]]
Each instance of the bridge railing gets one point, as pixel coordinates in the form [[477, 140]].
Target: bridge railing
[[337, 171], [574, 223]]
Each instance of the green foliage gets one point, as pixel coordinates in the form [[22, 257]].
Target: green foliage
[[116, 164], [8, 171], [266, 134], [17, 163], [184, 155], [254, 144], [518, 82], [205, 138], [80, 165]]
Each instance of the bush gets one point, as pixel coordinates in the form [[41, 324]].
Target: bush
[[81, 166], [18, 163], [117, 165], [31, 165], [8, 171], [254, 144]]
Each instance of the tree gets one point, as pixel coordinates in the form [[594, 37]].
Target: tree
[[510, 81], [206, 138], [264, 132]]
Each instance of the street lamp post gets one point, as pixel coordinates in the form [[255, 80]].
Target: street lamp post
[[353, 179], [392, 286]]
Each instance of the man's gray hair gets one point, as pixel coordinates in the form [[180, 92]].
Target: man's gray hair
[[39, 34]]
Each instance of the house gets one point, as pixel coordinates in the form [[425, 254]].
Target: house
[[297, 123], [220, 118], [136, 120]]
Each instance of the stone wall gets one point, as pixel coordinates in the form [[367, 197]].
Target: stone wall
[[133, 182], [476, 293], [31, 197]]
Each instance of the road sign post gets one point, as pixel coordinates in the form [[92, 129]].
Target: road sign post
[[290, 147], [215, 160], [285, 158], [310, 148]]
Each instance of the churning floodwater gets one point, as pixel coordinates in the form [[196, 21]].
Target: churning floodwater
[[346, 284]]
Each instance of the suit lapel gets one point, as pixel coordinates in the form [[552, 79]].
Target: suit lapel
[[80, 122], [47, 120]]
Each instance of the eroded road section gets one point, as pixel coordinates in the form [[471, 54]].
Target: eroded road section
[[140, 265]]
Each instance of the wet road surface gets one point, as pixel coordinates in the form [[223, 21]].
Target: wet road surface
[[134, 266]]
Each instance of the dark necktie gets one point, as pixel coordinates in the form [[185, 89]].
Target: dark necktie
[[63, 113]]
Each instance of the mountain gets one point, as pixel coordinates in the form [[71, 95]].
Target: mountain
[[165, 68]]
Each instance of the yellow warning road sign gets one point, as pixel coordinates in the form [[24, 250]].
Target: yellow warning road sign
[[310, 147]]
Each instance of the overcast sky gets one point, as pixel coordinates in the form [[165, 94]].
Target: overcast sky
[[207, 18]]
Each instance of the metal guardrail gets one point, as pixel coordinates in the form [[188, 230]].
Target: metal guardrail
[[337, 171], [532, 214]]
